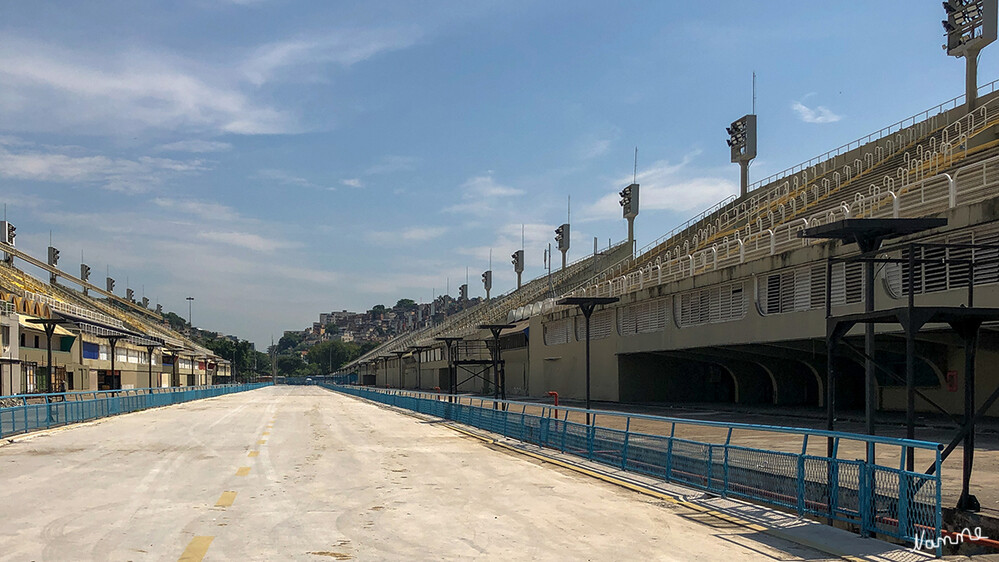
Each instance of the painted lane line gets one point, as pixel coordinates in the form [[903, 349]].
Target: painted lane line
[[261, 442], [196, 549], [243, 471], [267, 433], [253, 453], [226, 499]]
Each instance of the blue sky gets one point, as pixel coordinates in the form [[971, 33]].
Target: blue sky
[[275, 159]]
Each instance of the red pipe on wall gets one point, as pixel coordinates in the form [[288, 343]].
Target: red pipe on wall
[[555, 394]]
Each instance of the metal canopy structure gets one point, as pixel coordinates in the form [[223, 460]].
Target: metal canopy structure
[[586, 305], [499, 370], [868, 234], [965, 320], [49, 326], [451, 345], [399, 355], [417, 351]]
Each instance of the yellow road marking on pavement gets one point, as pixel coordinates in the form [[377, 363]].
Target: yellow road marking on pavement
[[226, 499], [243, 471], [261, 442], [253, 453], [267, 433], [665, 497], [196, 549]]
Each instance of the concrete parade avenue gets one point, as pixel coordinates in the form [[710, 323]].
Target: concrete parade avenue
[[303, 473]]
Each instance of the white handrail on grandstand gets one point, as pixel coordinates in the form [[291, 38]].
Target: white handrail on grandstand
[[74, 310], [877, 135], [931, 195]]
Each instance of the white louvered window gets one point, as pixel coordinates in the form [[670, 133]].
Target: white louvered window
[[558, 331], [643, 317], [600, 325], [722, 303]]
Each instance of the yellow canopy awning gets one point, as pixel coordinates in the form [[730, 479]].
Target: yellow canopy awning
[[23, 320]]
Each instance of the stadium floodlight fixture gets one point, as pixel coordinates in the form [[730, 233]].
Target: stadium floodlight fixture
[[9, 232], [742, 143], [518, 265], [969, 27], [518, 261], [562, 237], [629, 201], [53, 262], [84, 272], [110, 284], [487, 281], [129, 295]]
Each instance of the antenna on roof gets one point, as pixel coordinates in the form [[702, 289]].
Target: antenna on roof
[[634, 177], [754, 92], [521, 236]]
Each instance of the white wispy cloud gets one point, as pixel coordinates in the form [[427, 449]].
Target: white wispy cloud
[[48, 88], [352, 182], [200, 209], [344, 47], [63, 165], [821, 114], [391, 165], [481, 194], [195, 145], [246, 240], [667, 187], [414, 234], [287, 178]]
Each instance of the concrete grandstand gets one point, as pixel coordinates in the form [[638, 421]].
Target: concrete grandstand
[[98, 341], [729, 306]]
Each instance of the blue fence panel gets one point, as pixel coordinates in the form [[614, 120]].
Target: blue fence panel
[[42, 411], [879, 499]]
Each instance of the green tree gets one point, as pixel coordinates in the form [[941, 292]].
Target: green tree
[[176, 321], [290, 365], [331, 355], [405, 304], [289, 340]]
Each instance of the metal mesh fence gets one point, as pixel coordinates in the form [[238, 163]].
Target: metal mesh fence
[[51, 410], [877, 499]]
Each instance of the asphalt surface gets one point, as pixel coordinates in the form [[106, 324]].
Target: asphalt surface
[[300, 473]]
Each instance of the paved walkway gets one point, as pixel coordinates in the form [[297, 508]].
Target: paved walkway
[[300, 473]]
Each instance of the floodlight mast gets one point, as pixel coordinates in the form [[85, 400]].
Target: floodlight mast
[[562, 239], [742, 142], [629, 209], [518, 265], [969, 27]]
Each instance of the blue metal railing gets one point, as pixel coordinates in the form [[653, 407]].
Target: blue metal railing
[[319, 380], [877, 498], [42, 411]]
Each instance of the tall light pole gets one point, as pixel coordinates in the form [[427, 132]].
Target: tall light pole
[[190, 308], [629, 208], [586, 306], [970, 26], [742, 142]]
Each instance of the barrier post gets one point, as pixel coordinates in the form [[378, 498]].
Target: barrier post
[[624, 448]]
